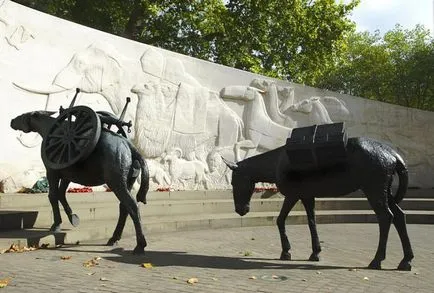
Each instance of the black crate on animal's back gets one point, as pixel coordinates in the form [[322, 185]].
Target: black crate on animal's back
[[330, 143], [317, 147], [299, 148]]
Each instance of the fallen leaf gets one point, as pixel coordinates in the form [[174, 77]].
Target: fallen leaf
[[65, 257], [103, 279], [4, 282], [44, 245], [318, 273], [92, 262], [252, 278], [366, 278], [91, 274], [147, 265], [175, 278], [352, 270], [247, 253], [192, 281], [304, 280], [214, 279]]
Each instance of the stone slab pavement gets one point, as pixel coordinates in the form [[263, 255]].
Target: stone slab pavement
[[227, 260]]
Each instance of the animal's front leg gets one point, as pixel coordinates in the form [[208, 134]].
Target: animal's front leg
[[309, 206], [53, 182], [287, 206], [73, 218]]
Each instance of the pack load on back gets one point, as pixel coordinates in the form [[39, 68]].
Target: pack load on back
[[317, 147]]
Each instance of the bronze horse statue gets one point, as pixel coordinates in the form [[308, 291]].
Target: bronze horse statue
[[114, 161], [369, 166]]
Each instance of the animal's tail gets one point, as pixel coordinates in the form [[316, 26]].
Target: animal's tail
[[144, 176], [402, 172]]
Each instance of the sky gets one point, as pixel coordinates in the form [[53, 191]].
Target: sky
[[371, 15]]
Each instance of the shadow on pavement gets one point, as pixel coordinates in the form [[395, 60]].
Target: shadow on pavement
[[184, 259]]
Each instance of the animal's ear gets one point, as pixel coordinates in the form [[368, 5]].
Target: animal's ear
[[49, 113], [45, 113], [231, 165]]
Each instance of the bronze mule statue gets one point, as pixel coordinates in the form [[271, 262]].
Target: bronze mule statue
[[114, 161], [369, 167]]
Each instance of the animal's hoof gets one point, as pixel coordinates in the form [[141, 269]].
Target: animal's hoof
[[375, 265], [314, 257], [404, 265], [139, 250], [55, 228], [112, 242], [285, 256], [74, 220]]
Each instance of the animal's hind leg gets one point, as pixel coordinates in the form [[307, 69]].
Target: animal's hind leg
[[287, 206], [378, 202], [73, 218], [117, 234], [309, 205], [401, 227], [133, 210]]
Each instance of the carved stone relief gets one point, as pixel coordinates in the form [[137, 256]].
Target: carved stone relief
[[13, 33], [184, 127]]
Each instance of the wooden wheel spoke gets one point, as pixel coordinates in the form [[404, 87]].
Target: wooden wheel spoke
[[81, 137], [56, 150], [84, 129], [69, 123], [62, 152], [54, 136], [56, 144], [81, 122]]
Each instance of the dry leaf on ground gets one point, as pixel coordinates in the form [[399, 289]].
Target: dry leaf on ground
[[252, 278], [66, 257], [92, 262], [4, 282], [147, 265], [192, 280]]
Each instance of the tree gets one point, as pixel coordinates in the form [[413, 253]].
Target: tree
[[396, 68], [292, 38]]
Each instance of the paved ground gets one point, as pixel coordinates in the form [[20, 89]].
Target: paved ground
[[226, 260]]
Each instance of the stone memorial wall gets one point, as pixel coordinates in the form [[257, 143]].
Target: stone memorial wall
[[186, 112]]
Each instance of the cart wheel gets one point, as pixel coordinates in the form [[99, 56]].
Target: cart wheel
[[71, 138], [118, 130]]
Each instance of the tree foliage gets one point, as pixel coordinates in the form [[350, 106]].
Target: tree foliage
[[396, 68], [291, 38]]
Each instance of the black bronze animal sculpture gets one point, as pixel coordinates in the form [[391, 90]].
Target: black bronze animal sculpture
[[114, 161], [369, 167]]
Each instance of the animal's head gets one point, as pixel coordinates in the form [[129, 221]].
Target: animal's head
[[92, 70], [147, 88], [174, 154], [214, 160], [305, 106], [242, 187], [25, 122]]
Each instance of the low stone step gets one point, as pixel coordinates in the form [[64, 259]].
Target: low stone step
[[95, 230], [10, 220], [28, 201], [108, 209]]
